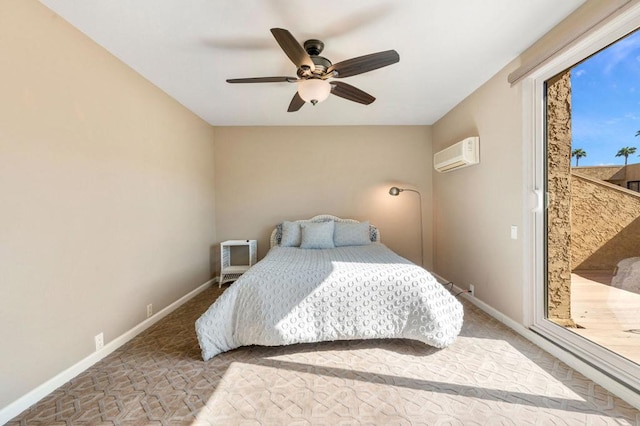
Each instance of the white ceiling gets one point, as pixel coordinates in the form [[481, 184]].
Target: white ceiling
[[188, 48]]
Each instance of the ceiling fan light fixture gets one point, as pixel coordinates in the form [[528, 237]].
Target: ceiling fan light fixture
[[314, 90]]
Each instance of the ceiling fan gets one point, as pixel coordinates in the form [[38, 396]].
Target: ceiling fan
[[315, 70]]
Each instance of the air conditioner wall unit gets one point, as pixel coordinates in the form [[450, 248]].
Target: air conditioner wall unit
[[462, 154]]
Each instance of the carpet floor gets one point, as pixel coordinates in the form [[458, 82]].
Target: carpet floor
[[489, 376]]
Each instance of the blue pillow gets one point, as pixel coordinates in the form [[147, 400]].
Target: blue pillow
[[290, 234], [351, 234], [317, 235]]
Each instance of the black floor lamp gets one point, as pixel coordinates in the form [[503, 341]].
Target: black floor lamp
[[395, 191]]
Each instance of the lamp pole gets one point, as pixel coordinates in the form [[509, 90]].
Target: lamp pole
[[395, 191]]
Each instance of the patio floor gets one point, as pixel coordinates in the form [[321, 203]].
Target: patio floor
[[610, 316]]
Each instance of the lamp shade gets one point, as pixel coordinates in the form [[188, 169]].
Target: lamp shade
[[314, 90], [394, 191]]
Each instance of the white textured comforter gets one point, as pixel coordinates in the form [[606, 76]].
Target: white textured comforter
[[295, 295]]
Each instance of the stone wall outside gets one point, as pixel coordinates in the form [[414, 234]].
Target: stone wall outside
[[601, 172], [605, 224], [632, 172], [559, 209]]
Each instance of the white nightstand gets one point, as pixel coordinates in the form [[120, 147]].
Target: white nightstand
[[229, 272]]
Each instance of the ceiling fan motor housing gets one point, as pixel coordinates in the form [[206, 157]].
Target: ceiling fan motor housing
[[313, 48], [321, 64]]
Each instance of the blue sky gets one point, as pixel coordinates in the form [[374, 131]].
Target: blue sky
[[605, 97]]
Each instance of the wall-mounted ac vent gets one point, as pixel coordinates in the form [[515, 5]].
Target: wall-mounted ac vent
[[462, 154]]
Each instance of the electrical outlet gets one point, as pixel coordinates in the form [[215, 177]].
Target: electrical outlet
[[149, 310], [472, 289], [99, 341]]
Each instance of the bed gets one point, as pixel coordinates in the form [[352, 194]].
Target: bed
[[326, 279]]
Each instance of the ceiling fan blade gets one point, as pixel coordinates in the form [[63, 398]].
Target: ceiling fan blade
[[292, 48], [263, 80], [296, 103], [364, 63], [351, 93]]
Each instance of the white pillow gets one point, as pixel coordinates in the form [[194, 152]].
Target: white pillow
[[351, 234], [290, 234], [317, 235]]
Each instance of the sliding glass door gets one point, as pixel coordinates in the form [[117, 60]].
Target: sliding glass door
[[586, 227]]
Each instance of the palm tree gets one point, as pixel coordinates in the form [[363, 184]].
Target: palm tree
[[626, 152], [638, 133], [578, 153]]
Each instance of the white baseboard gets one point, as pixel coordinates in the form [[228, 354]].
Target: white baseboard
[[18, 406], [572, 361]]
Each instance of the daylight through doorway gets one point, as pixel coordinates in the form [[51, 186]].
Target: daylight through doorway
[[592, 222]]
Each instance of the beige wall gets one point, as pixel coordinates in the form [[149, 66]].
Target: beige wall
[[265, 175], [476, 206], [107, 197]]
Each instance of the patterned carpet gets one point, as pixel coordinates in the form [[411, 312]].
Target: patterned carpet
[[490, 375]]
